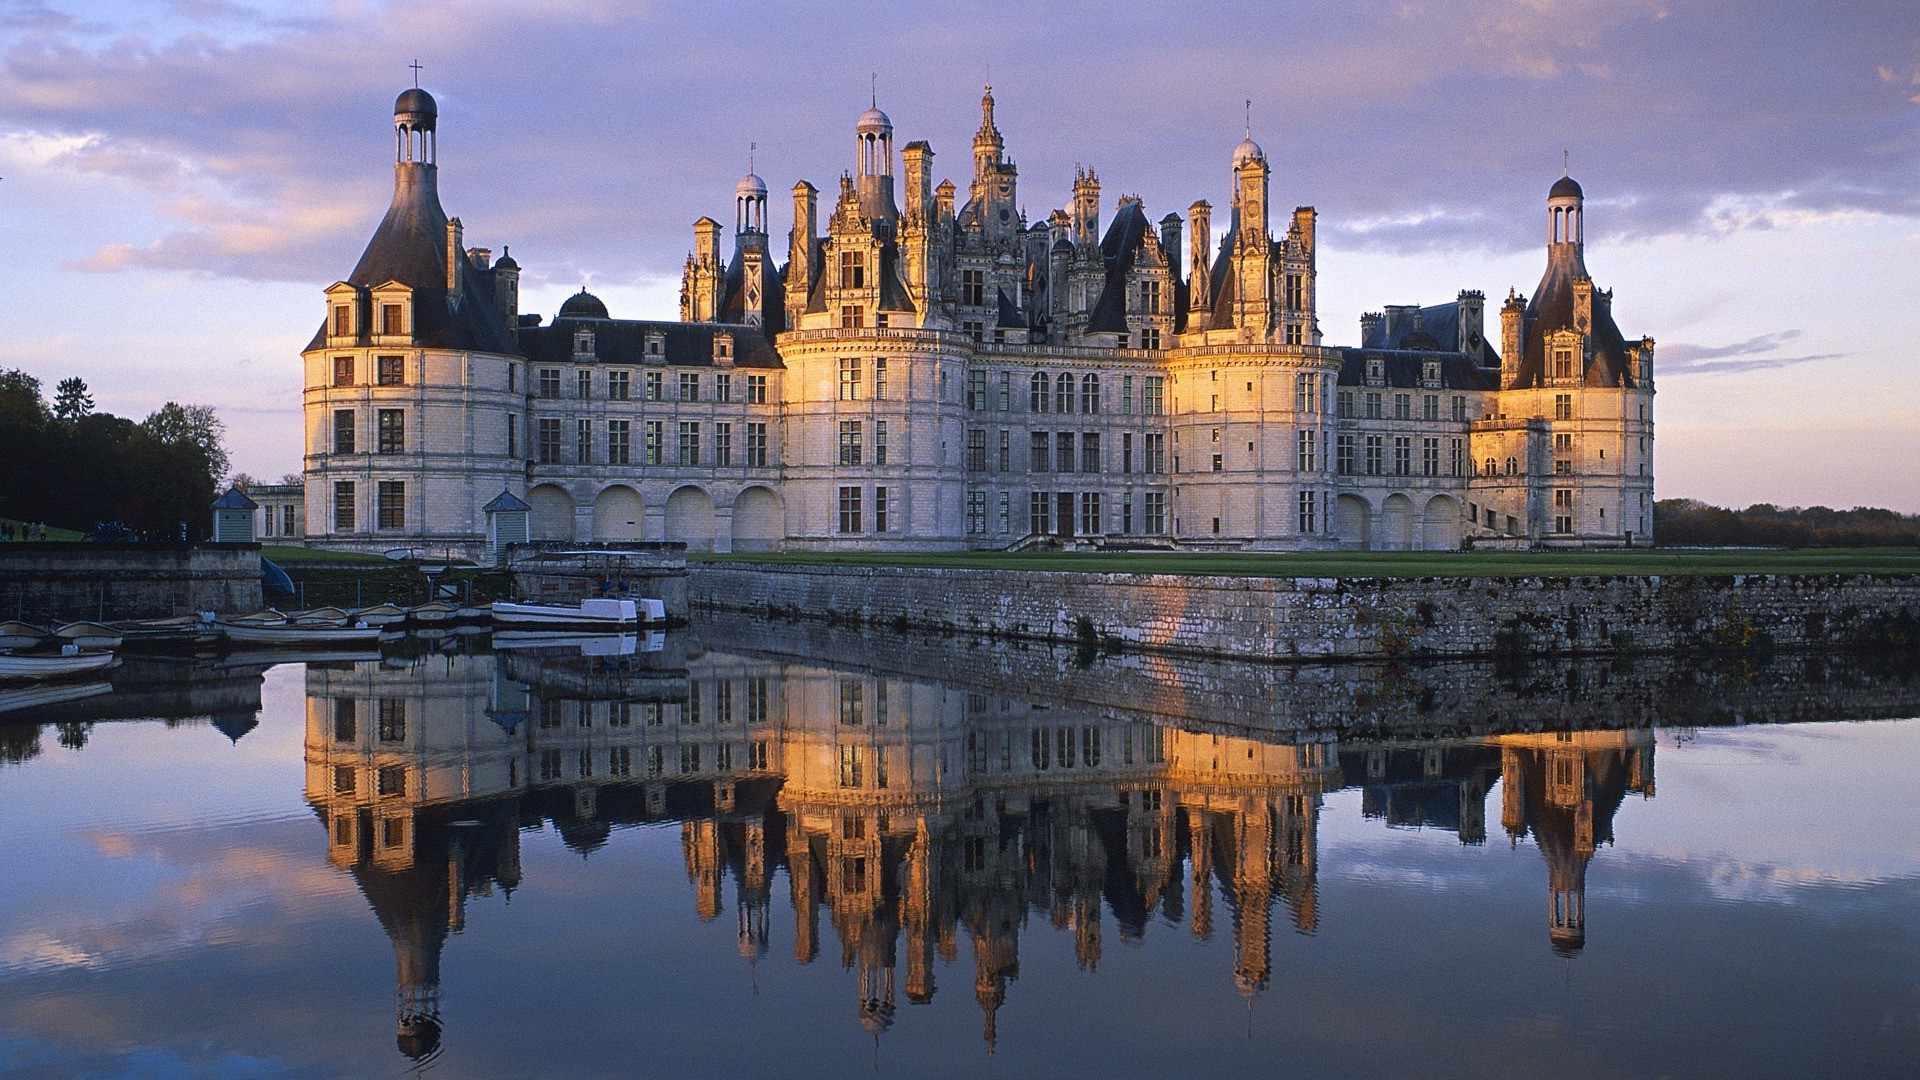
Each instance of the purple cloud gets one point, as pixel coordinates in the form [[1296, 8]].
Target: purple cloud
[[1682, 358]]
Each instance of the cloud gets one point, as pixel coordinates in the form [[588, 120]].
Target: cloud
[[1682, 358]]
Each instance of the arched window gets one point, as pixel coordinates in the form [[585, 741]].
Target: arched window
[[1063, 394], [1037, 396], [1090, 394], [1492, 469], [1513, 466]]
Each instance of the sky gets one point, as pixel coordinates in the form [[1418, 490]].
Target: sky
[[179, 179]]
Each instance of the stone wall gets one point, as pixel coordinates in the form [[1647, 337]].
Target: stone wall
[[55, 582], [1331, 618]]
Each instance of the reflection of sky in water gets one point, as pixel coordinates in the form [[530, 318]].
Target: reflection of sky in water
[[170, 910]]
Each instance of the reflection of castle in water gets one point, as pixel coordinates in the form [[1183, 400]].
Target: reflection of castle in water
[[909, 811]]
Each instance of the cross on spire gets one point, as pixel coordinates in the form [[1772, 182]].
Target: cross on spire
[[416, 72], [1249, 118], [1566, 163], [751, 147], [873, 89]]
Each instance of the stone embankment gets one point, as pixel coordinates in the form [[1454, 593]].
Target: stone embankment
[[69, 581], [1324, 619]]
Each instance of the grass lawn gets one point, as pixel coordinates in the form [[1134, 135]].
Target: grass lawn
[[52, 532], [1389, 563]]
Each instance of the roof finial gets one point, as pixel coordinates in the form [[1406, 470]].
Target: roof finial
[[1566, 163], [751, 147], [416, 72], [873, 89], [1249, 118]]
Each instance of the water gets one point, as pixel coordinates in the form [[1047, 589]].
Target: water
[[801, 851]]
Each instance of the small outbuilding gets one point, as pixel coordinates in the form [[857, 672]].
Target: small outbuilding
[[233, 518]]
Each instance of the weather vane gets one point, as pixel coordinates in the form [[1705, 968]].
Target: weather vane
[[416, 72]]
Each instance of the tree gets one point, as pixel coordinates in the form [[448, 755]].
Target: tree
[[294, 478], [20, 402], [71, 400], [194, 426], [244, 481]]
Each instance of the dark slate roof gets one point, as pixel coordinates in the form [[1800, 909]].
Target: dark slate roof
[[1220, 316], [1551, 309], [1009, 314], [624, 341], [893, 291], [1565, 187], [773, 294], [235, 499], [410, 247], [506, 501], [1118, 250], [1403, 369], [584, 305]]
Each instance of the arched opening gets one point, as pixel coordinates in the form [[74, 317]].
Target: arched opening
[[759, 521], [690, 518], [1440, 525], [1353, 522], [1396, 523], [619, 514], [552, 516]]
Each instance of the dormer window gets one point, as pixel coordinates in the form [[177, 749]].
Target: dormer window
[[342, 320], [1376, 372], [1431, 373], [1563, 363], [722, 348], [392, 319], [583, 342]]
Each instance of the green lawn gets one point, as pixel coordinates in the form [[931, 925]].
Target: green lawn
[[1390, 564], [52, 532]]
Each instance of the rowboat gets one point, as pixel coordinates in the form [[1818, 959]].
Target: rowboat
[[596, 612], [35, 695], [70, 660], [380, 615], [321, 616], [436, 612], [292, 634], [88, 635], [19, 635]]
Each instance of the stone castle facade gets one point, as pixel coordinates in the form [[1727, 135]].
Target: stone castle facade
[[926, 372]]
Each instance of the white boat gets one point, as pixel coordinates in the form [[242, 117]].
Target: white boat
[[291, 634], [593, 612], [70, 660], [322, 616], [88, 635], [436, 612], [19, 635], [380, 615], [269, 617]]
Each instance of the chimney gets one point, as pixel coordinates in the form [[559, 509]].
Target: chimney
[[454, 259], [1511, 316], [1370, 326], [1200, 257], [1170, 243], [1472, 329]]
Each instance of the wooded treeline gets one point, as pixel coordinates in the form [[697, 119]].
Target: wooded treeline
[[1691, 523]]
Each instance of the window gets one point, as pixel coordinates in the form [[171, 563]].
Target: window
[[1218, 463], [654, 386], [1459, 409], [849, 378], [548, 440], [513, 435], [879, 442], [723, 445], [1306, 518], [689, 386], [879, 377], [583, 441], [1344, 403], [1126, 395], [723, 387], [286, 521], [1005, 401], [976, 390], [619, 442], [656, 442], [343, 371], [1457, 457], [393, 497], [853, 269], [1303, 393], [1149, 298], [343, 424], [1343, 455], [849, 442], [1563, 368], [1562, 442], [1492, 469], [977, 451], [1063, 451], [343, 506], [393, 720], [1006, 451], [849, 509], [1563, 467], [1373, 406], [392, 321], [1154, 506], [1038, 452], [1563, 406], [513, 376], [851, 777], [342, 321], [879, 509], [690, 759], [1513, 466], [1063, 394], [1126, 513], [1430, 457], [548, 385], [1155, 453], [1006, 512], [756, 389], [1153, 400], [1090, 514], [1296, 292], [393, 431], [1037, 392], [343, 780], [689, 443], [976, 512], [852, 317], [1563, 510], [1039, 512], [1303, 450], [973, 288], [1403, 406], [619, 385], [756, 445], [1430, 407], [1375, 456], [345, 717], [583, 384], [620, 761], [1090, 452], [1126, 452]]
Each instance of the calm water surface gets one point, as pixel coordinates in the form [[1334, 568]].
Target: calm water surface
[[758, 852]]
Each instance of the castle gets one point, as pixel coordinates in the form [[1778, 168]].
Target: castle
[[937, 374]]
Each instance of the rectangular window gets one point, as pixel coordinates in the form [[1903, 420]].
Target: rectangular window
[[879, 442], [1303, 393], [343, 371], [343, 512], [689, 443], [392, 321], [1563, 367], [1005, 401], [1457, 457], [756, 445], [1154, 506], [619, 385], [976, 512], [391, 783], [849, 509], [852, 317], [1430, 457], [1063, 451], [977, 451], [1343, 455], [343, 780], [343, 425], [1090, 452], [756, 389], [548, 442], [1090, 515], [976, 390], [393, 720], [390, 371], [723, 387], [1376, 458], [393, 431], [342, 321], [1344, 403], [849, 378], [1089, 394], [849, 442], [879, 509], [286, 521], [1039, 512], [1037, 392], [1126, 395], [548, 384], [1155, 453], [1126, 452], [723, 445], [1430, 407], [583, 441], [1307, 505], [879, 377], [393, 499], [1126, 513], [1563, 406], [1006, 451], [1296, 292], [619, 442], [1303, 445], [1149, 337], [973, 288], [513, 435], [1563, 510], [851, 777], [1038, 452], [1402, 456], [1373, 406], [1403, 406], [1459, 409], [853, 270], [654, 386], [1153, 400], [1218, 463], [583, 384], [689, 386], [656, 447], [345, 719]]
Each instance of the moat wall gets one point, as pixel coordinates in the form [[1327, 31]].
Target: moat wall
[[1334, 618], [65, 582]]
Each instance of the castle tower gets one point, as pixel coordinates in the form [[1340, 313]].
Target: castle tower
[[1253, 247]]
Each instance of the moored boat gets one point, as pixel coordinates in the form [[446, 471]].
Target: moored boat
[[380, 615], [320, 616], [88, 635], [35, 695], [20, 635], [596, 612], [292, 634], [436, 612], [69, 660]]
